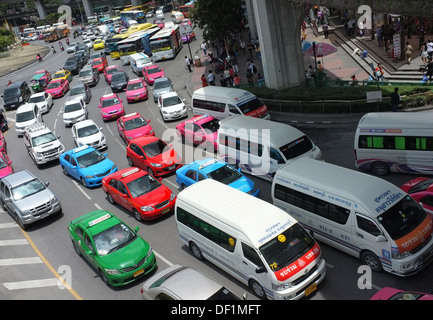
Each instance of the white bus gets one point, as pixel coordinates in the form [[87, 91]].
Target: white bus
[[166, 43], [394, 142], [357, 213], [249, 238]]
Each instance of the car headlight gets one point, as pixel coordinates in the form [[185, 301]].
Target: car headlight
[[157, 165], [282, 287], [113, 167], [112, 271], [172, 196], [400, 255], [89, 177], [149, 253], [38, 154], [147, 208]]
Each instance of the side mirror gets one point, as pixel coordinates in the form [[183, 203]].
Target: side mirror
[[261, 269], [99, 106], [381, 238]]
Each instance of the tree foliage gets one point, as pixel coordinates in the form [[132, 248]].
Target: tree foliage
[[6, 38]]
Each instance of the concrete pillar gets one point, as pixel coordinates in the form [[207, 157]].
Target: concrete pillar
[[41, 10], [88, 8], [251, 19], [278, 27]]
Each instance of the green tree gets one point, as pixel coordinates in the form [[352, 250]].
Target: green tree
[[217, 18], [6, 39]]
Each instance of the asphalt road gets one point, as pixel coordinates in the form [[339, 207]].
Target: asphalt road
[[31, 261]]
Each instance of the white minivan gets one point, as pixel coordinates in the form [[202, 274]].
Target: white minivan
[[221, 102], [252, 240], [26, 115], [138, 61], [359, 214], [260, 147]]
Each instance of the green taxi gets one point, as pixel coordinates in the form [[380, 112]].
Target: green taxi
[[117, 252]]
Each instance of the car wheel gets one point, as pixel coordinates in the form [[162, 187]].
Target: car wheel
[[196, 251], [65, 172], [110, 198], [137, 215], [371, 260], [83, 182], [257, 289], [129, 161], [77, 250], [103, 277], [20, 222], [380, 168]]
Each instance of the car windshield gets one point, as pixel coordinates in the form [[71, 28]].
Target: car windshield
[[11, 92], [142, 185], [421, 186], [171, 101], [402, 218], [117, 77], [95, 56], [144, 61], [286, 247], [27, 189], [25, 116], [153, 70], [297, 147], [113, 239], [250, 105], [90, 158], [110, 102], [225, 174], [36, 99], [211, 126], [135, 123], [112, 70], [135, 85], [59, 75], [223, 294], [43, 138], [96, 62], [85, 73], [53, 85], [72, 107], [155, 148], [76, 90], [87, 131], [161, 84]]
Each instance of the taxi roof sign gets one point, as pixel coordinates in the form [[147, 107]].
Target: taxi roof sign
[[130, 172], [208, 163], [100, 219]]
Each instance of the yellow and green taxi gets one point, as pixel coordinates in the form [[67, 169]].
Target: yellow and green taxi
[[117, 252], [63, 74], [98, 44]]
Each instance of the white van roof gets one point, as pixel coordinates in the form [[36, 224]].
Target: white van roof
[[280, 132], [347, 187], [257, 219], [395, 120], [234, 94]]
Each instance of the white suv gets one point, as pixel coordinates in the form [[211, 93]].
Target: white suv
[[74, 110], [171, 106], [86, 132], [26, 115], [41, 143]]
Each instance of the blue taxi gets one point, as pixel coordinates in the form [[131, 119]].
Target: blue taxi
[[87, 165], [217, 170]]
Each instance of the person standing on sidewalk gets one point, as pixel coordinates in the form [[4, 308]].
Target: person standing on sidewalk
[[204, 80], [204, 48], [211, 78], [395, 100], [408, 52], [325, 29], [188, 63]]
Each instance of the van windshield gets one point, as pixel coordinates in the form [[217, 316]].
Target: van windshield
[[287, 247], [402, 218], [250, 105], [11, 92], [297, 147]]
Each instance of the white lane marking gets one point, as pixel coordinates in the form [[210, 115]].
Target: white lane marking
[[108, 128], [13, 242], [171, 183], [30, 284], [98, 206], [8, 225], [122, 145], [55, 123], [18, 261], [162, 258], [81, 189]]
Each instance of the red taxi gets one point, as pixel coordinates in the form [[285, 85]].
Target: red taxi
[[154, 155], [57, 87], [136, 90], [150, 73], [200, 130], [111, 106], [109, 71], [100, 64], [139, 192], [133, 125]]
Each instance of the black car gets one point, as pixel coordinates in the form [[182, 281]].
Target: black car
[[119, 81], [83, 46], [73, 64], [81, 57]]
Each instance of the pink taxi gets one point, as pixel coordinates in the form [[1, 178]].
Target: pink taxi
[[200, 130], [3, 144], [133, 125], [5, 165], [150, 73], [57, 88], [136, 90], [109, 71], [388, 293], [111, 106]]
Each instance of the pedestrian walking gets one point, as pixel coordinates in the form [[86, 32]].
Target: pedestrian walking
[[211, 78], [379, 35], [204, 48], [325, 29], [188, 63], [424, 54], [223, 81], [237, 80], [243, 46], [235, 64], [250, 78], [408, 52], [429, 69], [379, 72], [395, 100], [430, 48], [204, 80]]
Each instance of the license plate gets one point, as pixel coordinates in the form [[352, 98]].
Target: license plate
[[310, 289], [171, 167], [114, 115], [165, 210], [138, 272]]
